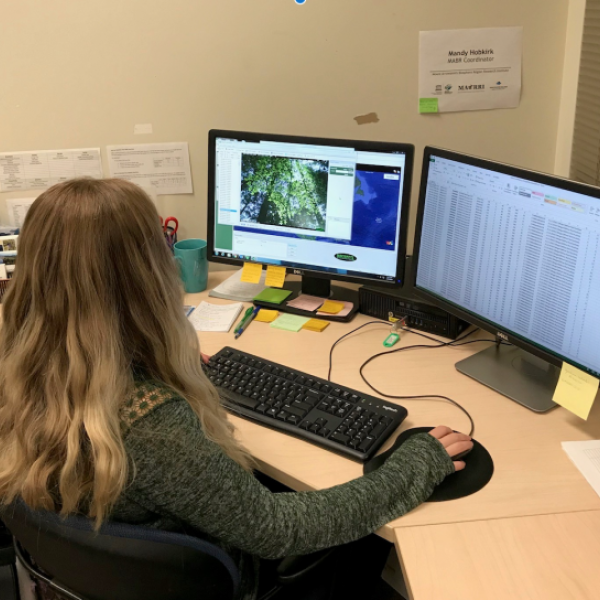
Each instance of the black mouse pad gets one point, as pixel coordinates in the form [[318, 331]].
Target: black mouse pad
[[476, 474]]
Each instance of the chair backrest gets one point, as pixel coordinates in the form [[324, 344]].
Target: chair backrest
[[122, 562]]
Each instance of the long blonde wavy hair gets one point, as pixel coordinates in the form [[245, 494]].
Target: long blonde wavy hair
[[95, 296]]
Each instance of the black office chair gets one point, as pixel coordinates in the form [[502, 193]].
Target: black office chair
[[127, 562], [8, 573]]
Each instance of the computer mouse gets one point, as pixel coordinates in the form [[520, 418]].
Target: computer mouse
[[479, 468], [461, 455]]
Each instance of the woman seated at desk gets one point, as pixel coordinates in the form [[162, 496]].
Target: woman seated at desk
[[105, 409]]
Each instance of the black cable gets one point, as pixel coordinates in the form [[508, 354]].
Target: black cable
[[439, 344], [345, 336]]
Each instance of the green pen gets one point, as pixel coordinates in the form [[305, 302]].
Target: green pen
[[243, 319]]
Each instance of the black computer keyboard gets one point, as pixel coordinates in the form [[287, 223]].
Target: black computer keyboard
[[316, 410]]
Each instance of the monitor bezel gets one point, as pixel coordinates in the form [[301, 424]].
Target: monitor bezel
[[407, 149], [581, 188]]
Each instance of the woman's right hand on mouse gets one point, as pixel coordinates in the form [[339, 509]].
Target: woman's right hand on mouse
[[453, 442]]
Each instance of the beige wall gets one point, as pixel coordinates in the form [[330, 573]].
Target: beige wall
[[83, 73]]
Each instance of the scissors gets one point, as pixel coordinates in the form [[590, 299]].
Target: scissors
[[169, 230]]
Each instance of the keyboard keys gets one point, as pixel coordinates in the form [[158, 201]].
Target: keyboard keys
[[293, 410], [378, 430], [340, 437], [274, 394], [366, 443], [247, 402], [302, 406]]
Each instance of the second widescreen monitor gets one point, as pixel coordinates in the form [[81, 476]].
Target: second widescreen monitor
[[329, 209]]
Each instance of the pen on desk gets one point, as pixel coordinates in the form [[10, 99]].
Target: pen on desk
[[242, 322], [247, 322]]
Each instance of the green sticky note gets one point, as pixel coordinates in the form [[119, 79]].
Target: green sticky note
[[272, 295], [428, 105], [289, 322]]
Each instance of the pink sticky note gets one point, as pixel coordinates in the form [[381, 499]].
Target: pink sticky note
[[306, 302]]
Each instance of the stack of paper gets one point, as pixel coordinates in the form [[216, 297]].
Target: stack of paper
[[306, 302], [334, 307], [266, 316], [234, 288], [586, 457], [315, 325], [272, 295], [289, 322], [215, 317]]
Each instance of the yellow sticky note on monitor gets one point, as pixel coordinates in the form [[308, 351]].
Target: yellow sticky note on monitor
[[315, 325], [275, 276], [265, 315], [331, 307], [576, 390], [251, 272]]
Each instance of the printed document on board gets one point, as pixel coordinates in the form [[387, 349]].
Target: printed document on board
[[470, 69], [17, 210], [164, 168], [40, 169]]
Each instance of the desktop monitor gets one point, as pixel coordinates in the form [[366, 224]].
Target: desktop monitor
[[516, 253], [326, 209]]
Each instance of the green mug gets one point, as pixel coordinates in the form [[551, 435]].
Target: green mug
[[193, 264]]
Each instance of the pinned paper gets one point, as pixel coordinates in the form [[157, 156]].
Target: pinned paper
[[142, 128], [306, 302], [428, 105], [273, 296], [265, 315], [275, 276], [576, 390], [331, 307], [315, 325], [251, 272], [289, 322]]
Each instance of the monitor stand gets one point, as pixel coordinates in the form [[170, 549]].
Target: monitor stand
[[315, 286], [522, 377]]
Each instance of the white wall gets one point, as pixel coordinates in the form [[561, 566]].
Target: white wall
[[83, 73], [568, 101]]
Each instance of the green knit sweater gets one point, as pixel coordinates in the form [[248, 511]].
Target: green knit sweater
[[181, 481]]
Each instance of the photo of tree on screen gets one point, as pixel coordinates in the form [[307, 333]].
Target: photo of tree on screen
[[288, 192]]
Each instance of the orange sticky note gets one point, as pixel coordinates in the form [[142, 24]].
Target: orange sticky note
[[275, 276], [265, 315], [331, 307], [251, 272], [315, 325]]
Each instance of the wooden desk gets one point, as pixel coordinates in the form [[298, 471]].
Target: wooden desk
[[474, 548], [544, 557], [533, 475]]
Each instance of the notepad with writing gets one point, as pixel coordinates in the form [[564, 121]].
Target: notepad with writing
[[215, 317]]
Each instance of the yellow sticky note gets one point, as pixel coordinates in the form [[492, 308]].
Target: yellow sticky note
[[331, 307], [576, 390], [315, 325], [275, 276], [265, 315], [251, 272]]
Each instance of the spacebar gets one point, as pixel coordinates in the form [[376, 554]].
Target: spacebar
[[238, 399]]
